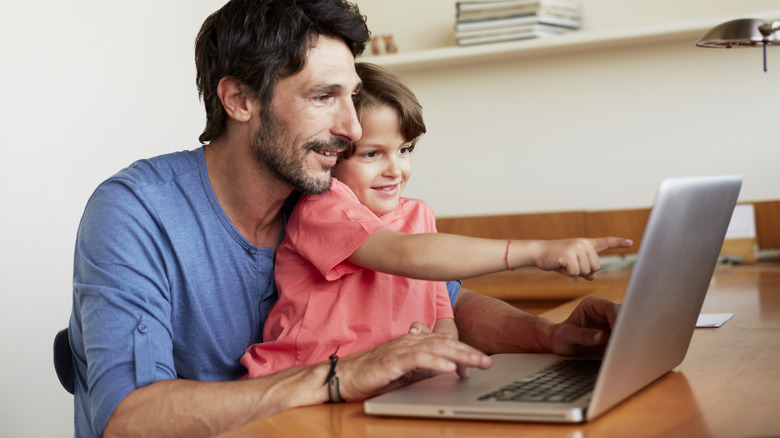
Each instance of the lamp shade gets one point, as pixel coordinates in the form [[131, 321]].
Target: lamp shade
[[744, 32]]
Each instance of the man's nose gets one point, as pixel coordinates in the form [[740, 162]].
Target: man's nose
[[347, 124]]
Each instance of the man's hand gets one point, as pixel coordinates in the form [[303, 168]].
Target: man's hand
[[495, 326], [404, 360], [574, 257], [586, 330]]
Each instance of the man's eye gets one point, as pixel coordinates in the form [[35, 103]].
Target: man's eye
[[322, 98]]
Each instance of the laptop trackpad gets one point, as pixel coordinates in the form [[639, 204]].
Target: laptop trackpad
[[506, 368]]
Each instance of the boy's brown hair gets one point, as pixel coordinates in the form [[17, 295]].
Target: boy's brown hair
[[382, 87]]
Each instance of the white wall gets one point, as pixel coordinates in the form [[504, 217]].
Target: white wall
[[88, 86], [594, 130]]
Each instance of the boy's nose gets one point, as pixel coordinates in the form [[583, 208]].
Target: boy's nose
[[392, 168]]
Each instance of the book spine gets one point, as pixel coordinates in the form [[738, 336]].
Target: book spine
[[542, 18]]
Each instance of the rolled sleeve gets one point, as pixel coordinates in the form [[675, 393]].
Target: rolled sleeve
[[121, 328]]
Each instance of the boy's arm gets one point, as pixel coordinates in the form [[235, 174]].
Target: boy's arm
[[439, 256]]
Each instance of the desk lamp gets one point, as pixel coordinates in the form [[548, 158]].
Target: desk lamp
[[746, 32]]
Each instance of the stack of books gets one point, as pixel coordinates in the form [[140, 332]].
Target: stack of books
[[491, 21]]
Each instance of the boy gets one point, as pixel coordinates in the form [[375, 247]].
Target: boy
[[360, 277]]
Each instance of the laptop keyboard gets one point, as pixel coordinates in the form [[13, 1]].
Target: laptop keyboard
[[561, 382]]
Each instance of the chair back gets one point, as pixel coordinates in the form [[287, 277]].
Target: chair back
[[63, 360]]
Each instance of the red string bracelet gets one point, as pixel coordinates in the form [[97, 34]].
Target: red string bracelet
[[506, 254]]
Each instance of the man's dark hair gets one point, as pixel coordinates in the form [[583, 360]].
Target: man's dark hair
[[256, 42]]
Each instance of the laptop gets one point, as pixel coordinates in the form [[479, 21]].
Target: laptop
[[663, 298]]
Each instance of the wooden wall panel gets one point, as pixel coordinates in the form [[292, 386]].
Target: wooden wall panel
[[619, 223], [520, 226], [768, 224]]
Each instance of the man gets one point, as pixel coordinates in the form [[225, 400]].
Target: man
[[173, 270]]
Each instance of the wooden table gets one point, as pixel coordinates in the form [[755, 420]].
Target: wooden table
[[727, 386]]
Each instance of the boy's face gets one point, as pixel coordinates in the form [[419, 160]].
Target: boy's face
[[381, 166]]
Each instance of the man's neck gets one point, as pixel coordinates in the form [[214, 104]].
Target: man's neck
[[251, 196]]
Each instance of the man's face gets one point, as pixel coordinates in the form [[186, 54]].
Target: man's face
[[311, 118]]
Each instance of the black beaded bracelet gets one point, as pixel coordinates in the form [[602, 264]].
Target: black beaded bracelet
[[333, 382]]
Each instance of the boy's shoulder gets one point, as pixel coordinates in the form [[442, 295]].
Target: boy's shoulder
[[415, 204], [415, 208], [339, 193], [338, 188]]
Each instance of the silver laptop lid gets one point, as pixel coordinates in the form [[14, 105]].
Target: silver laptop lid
[[666, 290]]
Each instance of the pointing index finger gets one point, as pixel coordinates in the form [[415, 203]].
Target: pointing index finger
[[602, 243]]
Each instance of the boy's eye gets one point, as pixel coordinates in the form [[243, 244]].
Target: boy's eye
[[369, 154], [405, 150]]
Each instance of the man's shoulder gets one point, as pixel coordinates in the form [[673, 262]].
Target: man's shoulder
[[161, 169], [151, 183]]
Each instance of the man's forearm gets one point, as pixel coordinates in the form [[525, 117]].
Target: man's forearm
[[192, 408], [494, 326]]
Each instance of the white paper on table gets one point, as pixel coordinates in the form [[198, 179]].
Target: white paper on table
[[713, 319]]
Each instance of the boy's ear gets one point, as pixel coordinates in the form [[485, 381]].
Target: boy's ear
[[237, 104]]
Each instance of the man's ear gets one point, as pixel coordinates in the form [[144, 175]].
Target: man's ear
[[237, 104]]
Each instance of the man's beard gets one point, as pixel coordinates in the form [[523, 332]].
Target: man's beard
[[287, 161]]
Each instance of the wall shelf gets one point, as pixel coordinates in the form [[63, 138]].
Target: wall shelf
[[581, 41]]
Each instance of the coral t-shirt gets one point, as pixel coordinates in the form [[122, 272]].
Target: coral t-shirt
[[328, 305]]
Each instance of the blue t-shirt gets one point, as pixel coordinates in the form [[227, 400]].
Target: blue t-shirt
[[164, 286]]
